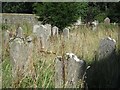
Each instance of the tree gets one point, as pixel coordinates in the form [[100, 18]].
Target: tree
[[59, 14], [17, 7]]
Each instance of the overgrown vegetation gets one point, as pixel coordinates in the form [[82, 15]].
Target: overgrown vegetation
[[83, 42]]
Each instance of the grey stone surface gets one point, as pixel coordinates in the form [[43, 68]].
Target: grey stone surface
[[55, 31], [58, 72], [106, 48], [20, 33], [75, 70], [66, 33], [68, 72], [107, 20]]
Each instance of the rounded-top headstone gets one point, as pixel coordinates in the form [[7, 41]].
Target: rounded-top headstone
[[107, 20]]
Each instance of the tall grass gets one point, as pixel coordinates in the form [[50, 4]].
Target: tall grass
[[83, 42]]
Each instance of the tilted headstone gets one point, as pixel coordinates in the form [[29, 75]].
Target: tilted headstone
[[19, 32], [107, 20], [19, 55], [70, 71], [66, 33], [106, 48]]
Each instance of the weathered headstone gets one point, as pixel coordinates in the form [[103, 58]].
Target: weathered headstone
[[6, 39], [48, 26], [0, 45], [66, 33], [75, 70], [35, 28], [29, 61], [69, 70], [19, 32], [106, 48], [94, 25], [59, 72], [18, 54], [107, 20], [55, 31]]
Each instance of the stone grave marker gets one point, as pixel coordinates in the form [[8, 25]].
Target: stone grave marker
[[107, 20], [48, 26], [19, 33], [106, 48], [66, 33], [18, 55], [69, 69], [55, 31]]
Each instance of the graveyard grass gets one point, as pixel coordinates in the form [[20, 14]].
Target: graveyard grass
[[83, 42]]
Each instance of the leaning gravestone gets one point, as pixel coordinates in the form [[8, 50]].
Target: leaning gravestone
[[107, 48], [18, 54], [107, 20], [66, 33], [68, 71]]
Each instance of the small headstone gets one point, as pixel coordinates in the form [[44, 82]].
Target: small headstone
[[48, 26], [19, 32], [66, 33], [55, 31], [107, 20], [106, 48]]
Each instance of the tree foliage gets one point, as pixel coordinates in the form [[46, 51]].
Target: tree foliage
[[59, 14], [17, 7]]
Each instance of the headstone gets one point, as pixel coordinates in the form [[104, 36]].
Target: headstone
[[42, 35], [29, 63], [6, 39], [68, 71], [48, 26], [18, 54], [75, 70], [94, 25], [107, 20], [35, 28], [106, 48], [66, 33], [19, 32], [59, 72], [0, 45], [55, 31]]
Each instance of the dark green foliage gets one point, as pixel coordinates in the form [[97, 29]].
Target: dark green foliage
[[17, 7], [59, 14]]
